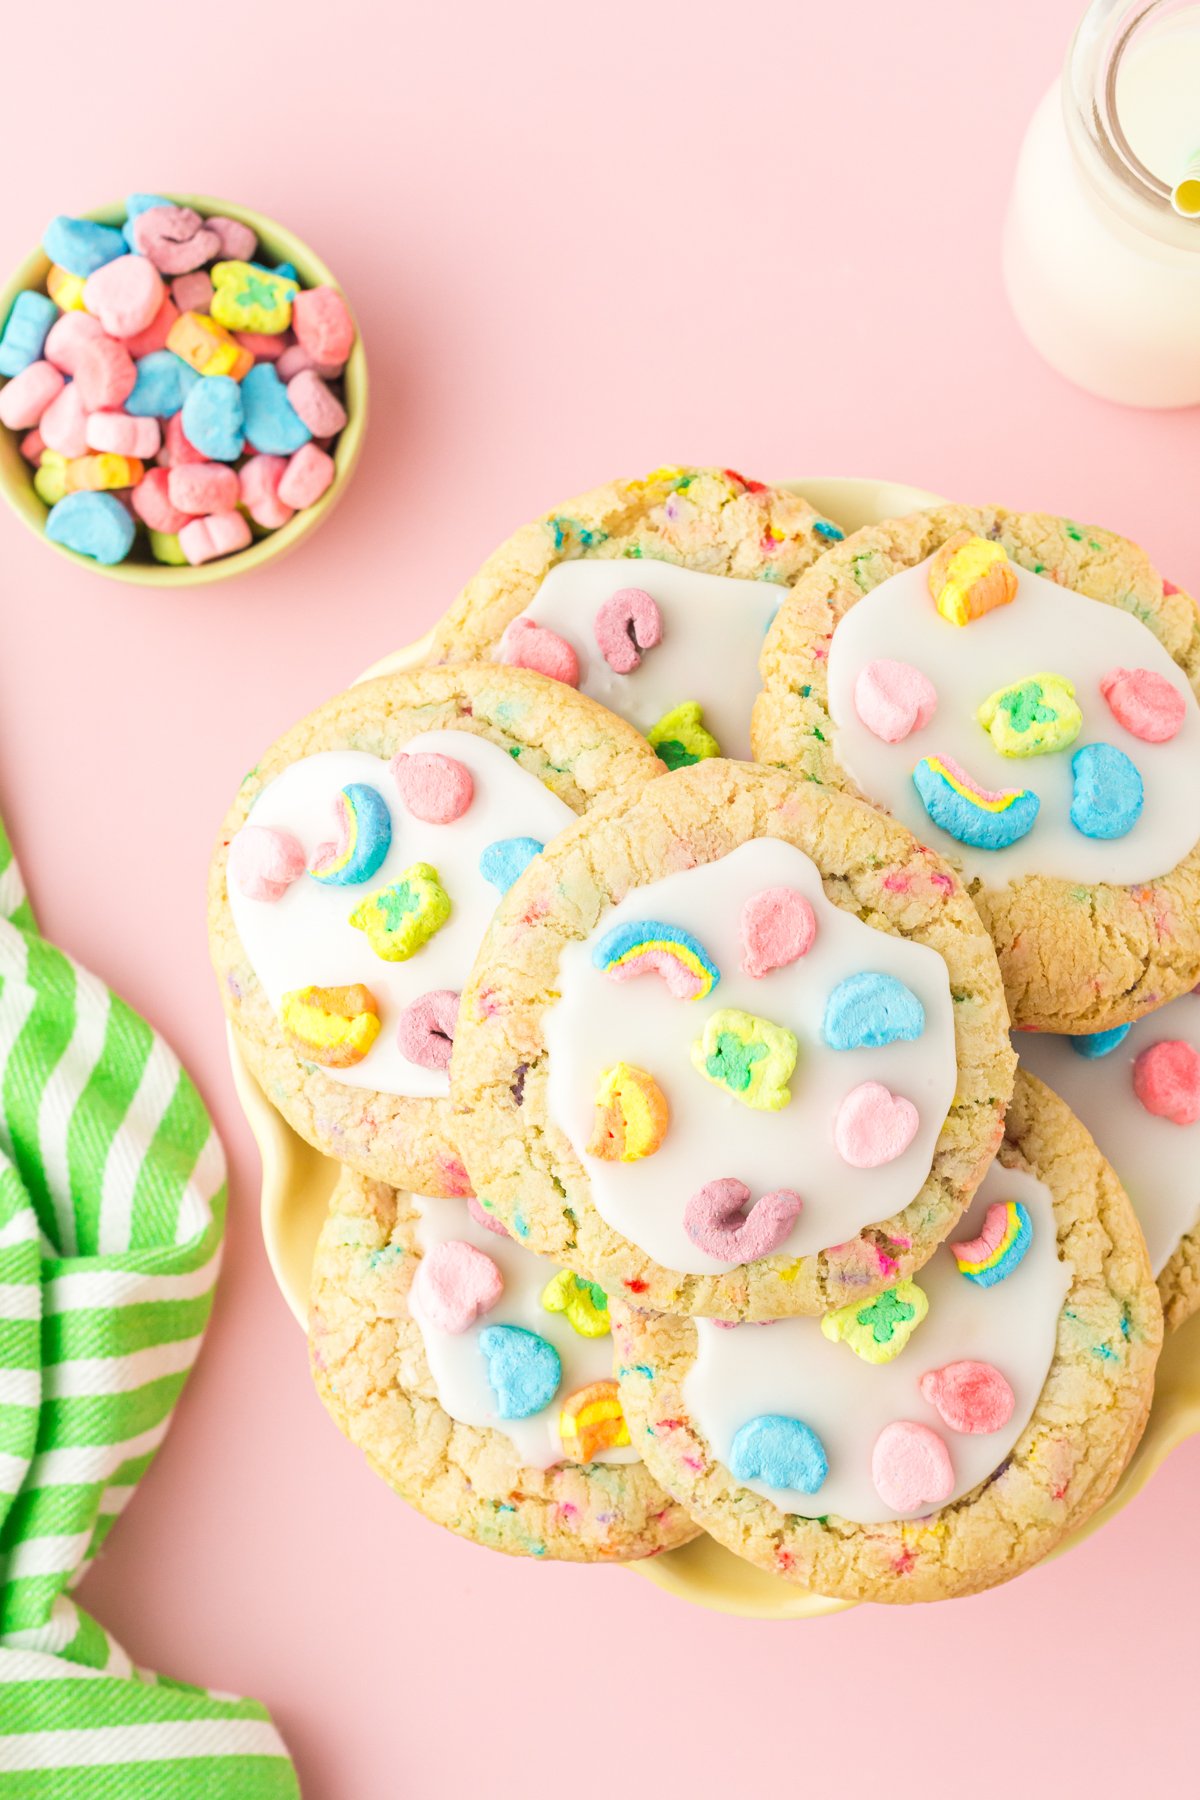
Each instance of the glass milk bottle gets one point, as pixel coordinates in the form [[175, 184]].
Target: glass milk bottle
[[1102, 243]]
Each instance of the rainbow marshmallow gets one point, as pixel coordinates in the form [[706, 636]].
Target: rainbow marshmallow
[[1001, 1245], [971, 813], [364, 838], [648, 947], [631, 1115], [591, 1422], [969, 576], [333, 1026]]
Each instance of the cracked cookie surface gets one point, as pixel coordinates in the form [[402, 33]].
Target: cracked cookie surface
[[1150, 1135], [1084, 1426], [866, 872], [571, 755], [1076, 955], [656, 592], [372, 1371]]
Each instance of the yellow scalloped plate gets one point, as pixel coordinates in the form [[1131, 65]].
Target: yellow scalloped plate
[[298, 1181]]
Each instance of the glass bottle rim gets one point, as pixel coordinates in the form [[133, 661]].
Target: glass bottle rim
[[1106, 33]]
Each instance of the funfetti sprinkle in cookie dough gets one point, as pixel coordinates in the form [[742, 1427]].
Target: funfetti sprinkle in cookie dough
[[1137, 1089], [737, 1048], [1021, 693], [355, 878], [479, 1380], [652, 596], [943, 1436]]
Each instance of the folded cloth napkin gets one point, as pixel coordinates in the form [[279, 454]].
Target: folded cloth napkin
[[112, 1205]]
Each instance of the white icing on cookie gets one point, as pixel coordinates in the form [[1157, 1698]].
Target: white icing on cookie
[[790, 1368], [599, 1022], [306, 938], [1046, 628], [713, 628], [457, 1363], [1157, 1161]]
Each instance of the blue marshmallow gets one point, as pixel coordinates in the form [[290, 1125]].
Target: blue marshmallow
[[94, 525], [782, 1452], [867, 1011], [213, 418], [80, 246], [523, 1370], [272, 423], [1100, 1043], [136, 204], [163, 383], [502, 862], [1108, 794], [26, 330]]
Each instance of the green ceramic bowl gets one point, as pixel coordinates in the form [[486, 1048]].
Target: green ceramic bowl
[[16, 476]]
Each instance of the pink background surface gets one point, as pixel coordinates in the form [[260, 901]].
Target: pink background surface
[[755, 236]]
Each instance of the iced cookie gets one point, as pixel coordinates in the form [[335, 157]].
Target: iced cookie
[[1018, 691], [1137, 1089], [947, 1434], [736, 1049], [354, 880], [652, 596], [479, 1380]]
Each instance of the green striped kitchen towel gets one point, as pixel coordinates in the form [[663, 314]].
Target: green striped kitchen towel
[[112, 1205]]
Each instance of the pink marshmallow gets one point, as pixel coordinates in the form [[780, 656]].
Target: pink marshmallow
[[972, 1397], [308, 474], [911, 1467], [125, 295], [296, 357], [628, 623], [777, 927], [152, 503], [263, 862], [720, 1220], [425, 1030], [203, 487], [529, 646], [435, 788], [176, 446], [194, 292], [322, 323], [1148, 705], [320, 409], [32, 445], [25, 398], [1166, 1079], [259, 480], [263, 346], [127, 436], [455, 1284], [220, 534], [175, 239], [64, 423], [155, 335], [238, 242], [874, 1126], [105, 374], [893, 699], [67, 338]]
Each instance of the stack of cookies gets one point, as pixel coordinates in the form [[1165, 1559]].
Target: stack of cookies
[[690, 1181]]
